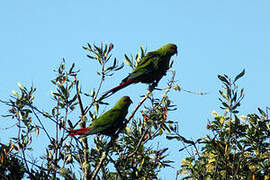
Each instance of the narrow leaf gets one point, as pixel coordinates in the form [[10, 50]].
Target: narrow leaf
[[239, 75], [223, 79]]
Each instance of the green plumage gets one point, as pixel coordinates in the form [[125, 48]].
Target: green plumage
[[108, 122], [152, 67]]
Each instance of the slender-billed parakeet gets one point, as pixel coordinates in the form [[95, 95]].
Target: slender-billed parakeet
[[108, 122], [152, 67]]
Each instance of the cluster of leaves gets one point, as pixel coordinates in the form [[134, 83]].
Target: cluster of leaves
[[30, 119], [21, 110], [11, 167], [65, 100], [134, 61], [238, 148], [102, 55]]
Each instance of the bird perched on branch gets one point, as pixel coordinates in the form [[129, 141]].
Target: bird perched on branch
[[109, 122], [152, 67]]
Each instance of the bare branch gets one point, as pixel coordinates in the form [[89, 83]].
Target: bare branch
[[46, 132]]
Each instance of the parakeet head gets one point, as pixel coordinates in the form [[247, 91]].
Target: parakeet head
[[125, 101], [170, 49]]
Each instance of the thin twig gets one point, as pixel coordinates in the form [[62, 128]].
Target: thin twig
[[44, 114], [6, 128], [101, 80], [33, 110], [79, 98], [103, 156], [137, 107], [120, 176], [80, 103], [99, 87], [55, 142], [26, 164], [137, 147], [85, 143]]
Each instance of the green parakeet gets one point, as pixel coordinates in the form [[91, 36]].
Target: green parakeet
[[152, 67], [108, 122]]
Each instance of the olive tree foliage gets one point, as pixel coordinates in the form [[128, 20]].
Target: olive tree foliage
[[237, 147], [126, 155]]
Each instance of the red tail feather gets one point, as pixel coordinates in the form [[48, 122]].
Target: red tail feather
[[78, 131], [122, 85]]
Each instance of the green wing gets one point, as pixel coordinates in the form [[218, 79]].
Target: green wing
[[147, 64], [147, 57], [151, 68], [107, 120]]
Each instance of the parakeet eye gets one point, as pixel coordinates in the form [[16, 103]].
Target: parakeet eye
[[173, 47], [127, 100]]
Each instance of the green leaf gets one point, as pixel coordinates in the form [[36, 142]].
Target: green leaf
[[223, 94], [237, 121], [142, 51], [53, 81], [114, 63], [234, 97], [242, 92], [6, 115], [89, 46], [235, 106], [70, 124], [91, 115], [262, 112], [92, 93], [16, 94], [120, 67], [46, 114], [241, 74], [71, 69], [166, 128], [98, 49], [225, 104], [137, 59], [172, 137], [20, 86], [223, 79], [91, 57], [64, 91], [127, 61], [105, 103], [73, 99]]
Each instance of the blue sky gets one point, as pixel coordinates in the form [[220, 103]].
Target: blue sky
[[213, 37]]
